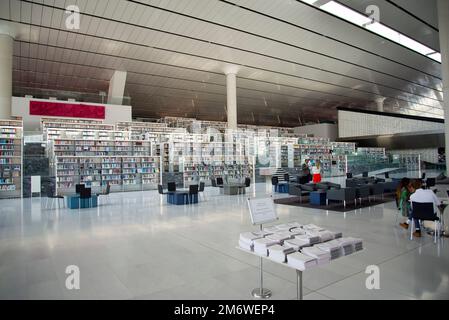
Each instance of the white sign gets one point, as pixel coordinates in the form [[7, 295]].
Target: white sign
[[262, 210], [35, 184]]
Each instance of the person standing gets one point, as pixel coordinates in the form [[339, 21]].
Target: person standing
[[316, 172]]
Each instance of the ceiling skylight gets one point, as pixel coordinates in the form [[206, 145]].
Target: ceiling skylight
[[352, 16]]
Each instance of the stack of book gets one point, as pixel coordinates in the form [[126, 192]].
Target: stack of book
[[321, 256], [346, 245], [280, 236], [357, 243], [270, 229], [336, 234], [296, 243], [310, 238], [325, 235], [279, 253], [246, 240], [300, 261], [261, 245], [334, 249]]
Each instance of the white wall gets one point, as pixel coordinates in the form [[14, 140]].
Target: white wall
[[356, 124], [323, 130], [21, 108]]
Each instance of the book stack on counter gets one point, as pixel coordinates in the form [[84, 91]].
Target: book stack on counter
[[296, 243], [333, 248], [308, 237], [246, 240], [336, 234], [300, 246], [321, 256], [357, 243], [301, 261], [346, 244], [261, 245], [280, 236], [279, 253]]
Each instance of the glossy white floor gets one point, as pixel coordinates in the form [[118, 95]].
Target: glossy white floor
[[137, 246]]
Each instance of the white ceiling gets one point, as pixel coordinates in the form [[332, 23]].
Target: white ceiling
[[293, 60]]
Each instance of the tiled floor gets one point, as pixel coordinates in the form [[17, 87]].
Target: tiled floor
[[139, 247]]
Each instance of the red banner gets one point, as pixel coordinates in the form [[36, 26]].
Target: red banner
[[58, 109]]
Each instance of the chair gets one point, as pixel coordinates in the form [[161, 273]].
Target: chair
[[219, 181], [85, 194], [213, 182], [423, 176], [193, 190], [274, 181], [78, 188], [171, 187], [201, 188], [365, 174], [106, 192], [51, 195], [297, 190], [377, 189], [247, 182], [362, 192], [286, 177], [349, 175], [343, 194], [387, 175], [430, 182], [424, 211]]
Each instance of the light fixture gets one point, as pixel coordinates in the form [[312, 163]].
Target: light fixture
[[363, 21]]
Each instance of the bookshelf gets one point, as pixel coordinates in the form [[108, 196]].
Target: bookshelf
[[85, 134], [11, 135], [342, 147], [201, 169], [122, 173]]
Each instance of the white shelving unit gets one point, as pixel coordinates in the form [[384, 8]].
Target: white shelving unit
[[11, 158]]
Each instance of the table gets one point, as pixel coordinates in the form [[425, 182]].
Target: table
[[317, 198], [178, 197], [73, 201], [234, 189], [281, 187]]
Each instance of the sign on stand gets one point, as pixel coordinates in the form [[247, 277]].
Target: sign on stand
[[262, 210]]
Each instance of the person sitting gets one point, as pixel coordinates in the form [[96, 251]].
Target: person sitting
[[403, 197], [420, 195]]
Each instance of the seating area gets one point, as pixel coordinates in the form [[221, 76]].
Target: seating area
[[356, 190]]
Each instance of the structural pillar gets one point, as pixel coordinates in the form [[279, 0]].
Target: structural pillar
[[231, 89], [6, 53], [380, 104], [443, 26], [117, 87]]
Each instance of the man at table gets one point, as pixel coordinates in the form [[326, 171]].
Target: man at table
[[421, 195]]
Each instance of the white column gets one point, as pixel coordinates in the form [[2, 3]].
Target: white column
[[6, 52], [443, 26], [117, 87], [231, 89], [380, 104]]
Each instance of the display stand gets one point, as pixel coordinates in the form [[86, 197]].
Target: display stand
[[299, 287], [261, 211]]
